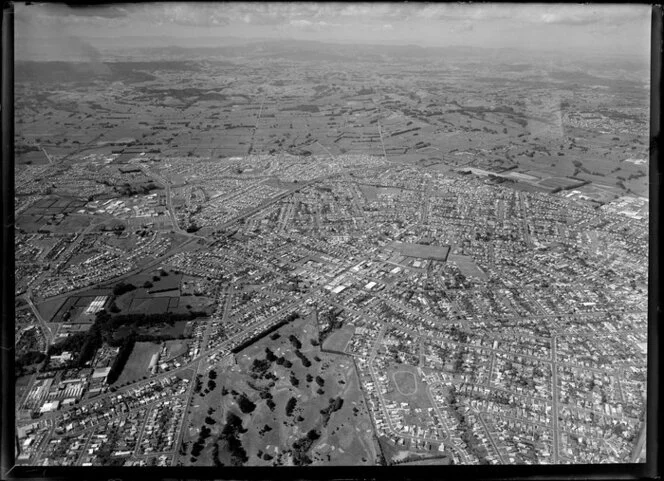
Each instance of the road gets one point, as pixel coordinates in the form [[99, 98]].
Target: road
[[50, 159], [488, 433], [46, 329], [437, 409], [183, 422], [641, 442], [380, 132], [554, 410]]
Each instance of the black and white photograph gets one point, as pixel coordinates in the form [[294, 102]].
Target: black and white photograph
[[273, 234]]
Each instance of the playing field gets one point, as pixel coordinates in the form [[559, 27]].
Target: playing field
[[406, 382]]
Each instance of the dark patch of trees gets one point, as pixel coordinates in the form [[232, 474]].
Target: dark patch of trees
[[230, 435], [27, 359], [200, 442], [295, 341], [128, 190], [259, 367], [198, 384], [290, 406], [302, 446], [245, 404], [122, 288], [335, 405], [282, 361], [269, 355], [305, 361]]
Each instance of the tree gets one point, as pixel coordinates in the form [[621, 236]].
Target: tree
[[122, 288], [290, 406], [245, 404]]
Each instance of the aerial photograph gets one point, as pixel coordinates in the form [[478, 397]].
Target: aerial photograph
[[331, 234]]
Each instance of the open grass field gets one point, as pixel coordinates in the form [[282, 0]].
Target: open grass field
[[174, 349], [149, 305], [405, 382], [406, 386], [47, 309], [370, 192], [31, 223], [138, 362], [338, 340]]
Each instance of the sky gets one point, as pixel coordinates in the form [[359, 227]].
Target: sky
[[621, 28]]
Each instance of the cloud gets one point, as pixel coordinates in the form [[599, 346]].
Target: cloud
[[43, 20], [105, 11], [284, 13], [312, 26], [276, 13], [559, 14], [592, 15], [194, 15]]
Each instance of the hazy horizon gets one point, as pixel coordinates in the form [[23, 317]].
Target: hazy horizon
[[561, 28]]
